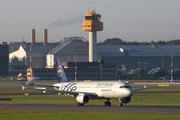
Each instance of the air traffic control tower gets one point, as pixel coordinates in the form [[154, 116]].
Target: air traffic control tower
[[92, 24]]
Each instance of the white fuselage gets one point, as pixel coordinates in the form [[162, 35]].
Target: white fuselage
[[102, 89]]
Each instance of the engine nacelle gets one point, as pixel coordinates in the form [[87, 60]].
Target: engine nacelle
[[82, 98], [125, 100]]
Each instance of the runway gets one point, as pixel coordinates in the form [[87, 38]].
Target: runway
[[95, 108]]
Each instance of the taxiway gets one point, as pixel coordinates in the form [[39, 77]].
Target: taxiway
[[98, 108]]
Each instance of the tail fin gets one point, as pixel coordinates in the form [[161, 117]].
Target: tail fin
[[30, 82], [61, 76]]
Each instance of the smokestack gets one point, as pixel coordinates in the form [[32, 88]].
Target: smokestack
[[32, 36], [45, 37]]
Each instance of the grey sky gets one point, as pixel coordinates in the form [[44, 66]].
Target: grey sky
[[130, 20]]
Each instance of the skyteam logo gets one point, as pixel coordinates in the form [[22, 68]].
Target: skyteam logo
[[69, 87], [59, 71]]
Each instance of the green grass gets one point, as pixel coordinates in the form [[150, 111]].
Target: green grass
[[80, 115], [139, 99]]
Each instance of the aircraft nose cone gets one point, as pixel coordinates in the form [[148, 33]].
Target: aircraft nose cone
[[129, 92]]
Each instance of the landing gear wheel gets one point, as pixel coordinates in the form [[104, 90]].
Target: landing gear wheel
[[107, 103], [80, 105], [120, 104]]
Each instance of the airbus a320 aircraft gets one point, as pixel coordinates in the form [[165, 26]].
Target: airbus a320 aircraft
[[84, 91]]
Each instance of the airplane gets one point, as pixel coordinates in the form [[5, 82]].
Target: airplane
[[84, 91], [169, 80], [30, 82]]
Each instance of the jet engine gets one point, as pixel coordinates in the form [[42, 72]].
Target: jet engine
[[82, 98], [125, 100]]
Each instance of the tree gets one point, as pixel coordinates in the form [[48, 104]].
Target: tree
[[118, 41], [177, 73], [160, 73]]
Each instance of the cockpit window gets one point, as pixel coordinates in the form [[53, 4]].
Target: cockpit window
[[125, 86]]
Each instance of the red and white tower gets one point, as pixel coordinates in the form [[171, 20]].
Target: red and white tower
[[31, 73], [75, 66], [171, 67]]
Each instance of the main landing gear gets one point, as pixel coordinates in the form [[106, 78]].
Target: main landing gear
[[107, 103]]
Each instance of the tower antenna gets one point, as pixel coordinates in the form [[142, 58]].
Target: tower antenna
[[91, 5], [95, 6], [88, 7]]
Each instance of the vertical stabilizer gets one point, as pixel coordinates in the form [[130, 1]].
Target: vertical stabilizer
[[61, 76]]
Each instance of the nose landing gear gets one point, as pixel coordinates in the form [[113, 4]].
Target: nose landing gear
[[120, 102]]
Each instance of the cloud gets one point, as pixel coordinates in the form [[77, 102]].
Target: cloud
[[71, 20]]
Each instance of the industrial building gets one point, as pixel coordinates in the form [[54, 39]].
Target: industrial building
[[142, 56], [112, 57], [70, 50], [4, 58]]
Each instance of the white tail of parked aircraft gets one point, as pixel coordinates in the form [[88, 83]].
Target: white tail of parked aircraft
[[30, 82], [168, 80], [85, 91]]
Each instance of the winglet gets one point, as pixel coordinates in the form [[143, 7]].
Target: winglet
[[137, 89]]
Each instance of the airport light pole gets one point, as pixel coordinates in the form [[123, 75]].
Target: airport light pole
[[162, 52], [145, 63], [139, 63]]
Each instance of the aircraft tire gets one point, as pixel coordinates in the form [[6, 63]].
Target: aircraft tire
[[80, 105], [120, 104], [107, 103]]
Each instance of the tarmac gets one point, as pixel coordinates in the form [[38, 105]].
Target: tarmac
[[95, 108]]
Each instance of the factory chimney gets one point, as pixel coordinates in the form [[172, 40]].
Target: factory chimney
[[32, 36], [45, 37]]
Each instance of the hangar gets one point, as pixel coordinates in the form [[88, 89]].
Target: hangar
[[111, 58]]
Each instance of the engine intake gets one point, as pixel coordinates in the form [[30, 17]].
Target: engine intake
[[82, 98]]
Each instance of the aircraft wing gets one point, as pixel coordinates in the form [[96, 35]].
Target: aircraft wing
[[137, 89], [74, 93]]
